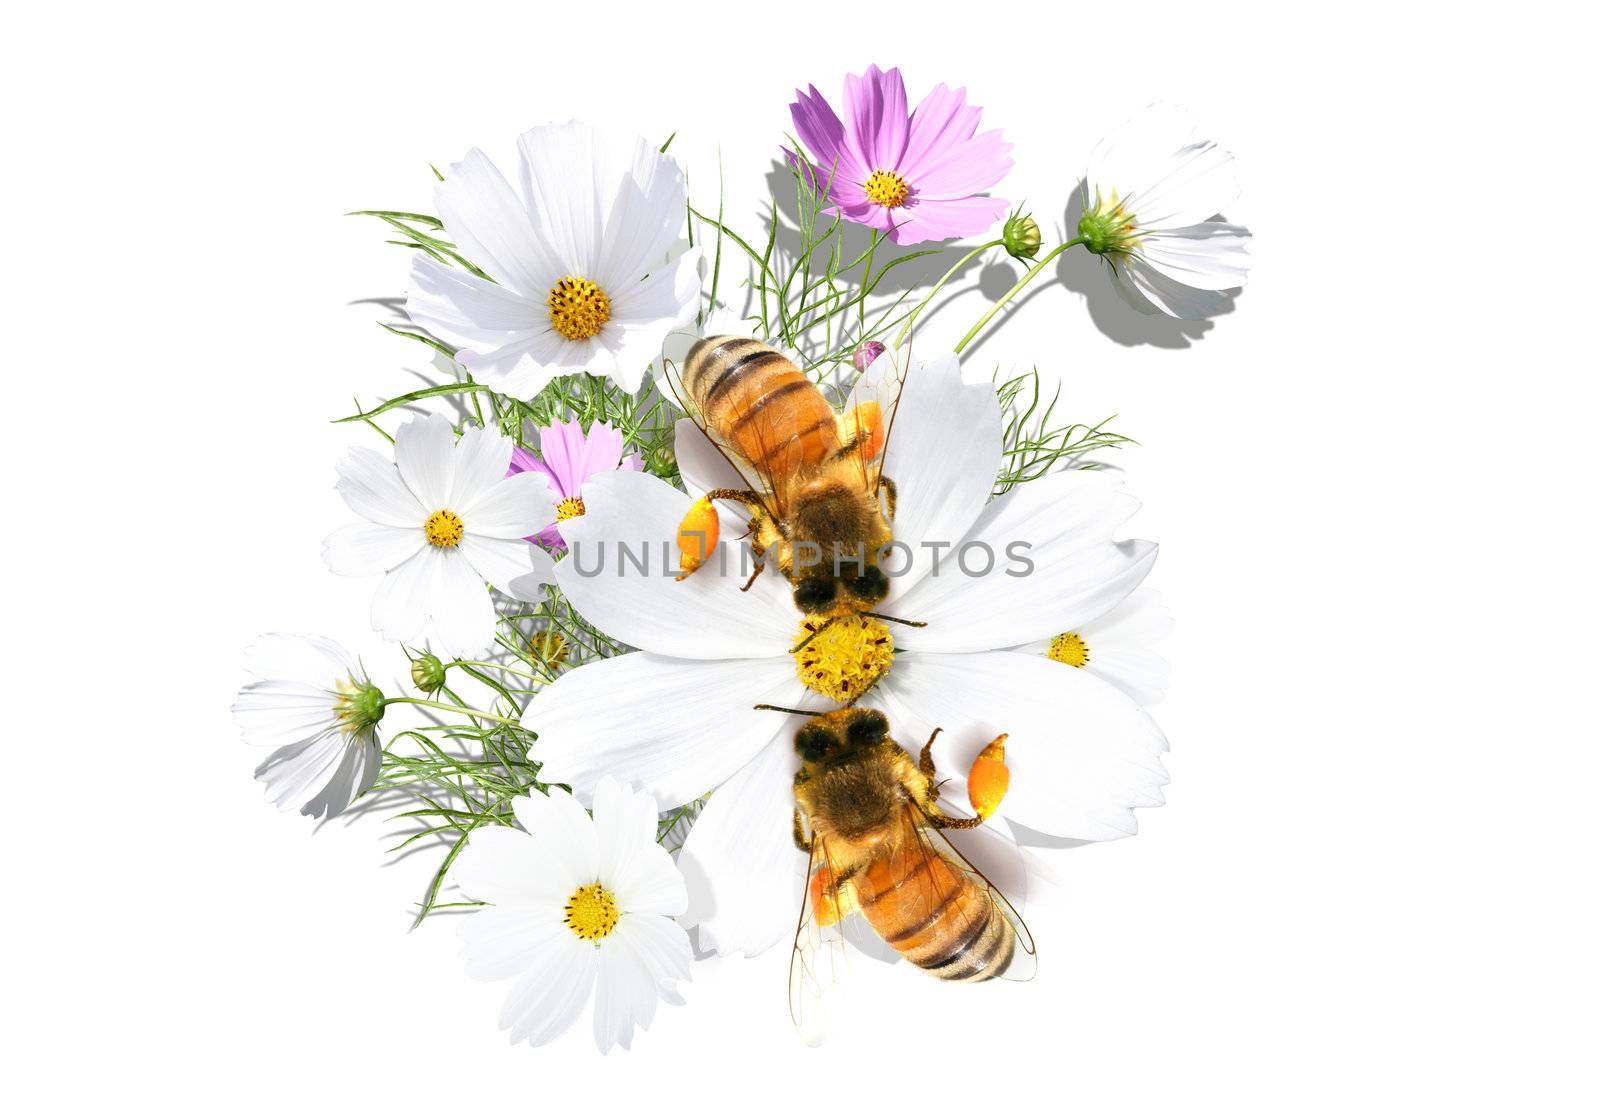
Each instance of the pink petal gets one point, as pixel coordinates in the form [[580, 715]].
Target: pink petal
[[819, 128], [966, 167], [942, 119], [562, 447], [875, 104], [935, 220]]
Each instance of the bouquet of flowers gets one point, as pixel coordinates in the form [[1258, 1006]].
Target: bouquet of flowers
[[720, 591]]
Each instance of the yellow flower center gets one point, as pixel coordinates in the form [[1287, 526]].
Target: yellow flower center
[[591, 913], [888, 189], [570, 508], [578, 308], [846, 658], [549, 647], [1069, 648], [444, 528]]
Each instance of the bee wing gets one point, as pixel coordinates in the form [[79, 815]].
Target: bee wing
[[876, 396], [1001, 855], [756, 481], [817, 961]]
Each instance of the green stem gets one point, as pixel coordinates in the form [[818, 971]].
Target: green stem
[[866, 272], [451, 708], [497, 665], [1016, 288], [951, 272]]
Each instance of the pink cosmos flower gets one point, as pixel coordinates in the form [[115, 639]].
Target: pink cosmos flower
[[915, 175], [569, 459]]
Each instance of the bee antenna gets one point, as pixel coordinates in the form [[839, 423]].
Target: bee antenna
[[894, 619], [827, 623], [791, 711]]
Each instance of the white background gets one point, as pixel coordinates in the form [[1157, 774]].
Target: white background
[[1374, 880]]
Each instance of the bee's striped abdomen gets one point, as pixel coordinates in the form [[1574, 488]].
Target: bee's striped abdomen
[[936, 916], [759, 403]]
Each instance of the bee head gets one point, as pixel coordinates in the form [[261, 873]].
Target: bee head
[[870, 585], [815, 595], [830, 737]]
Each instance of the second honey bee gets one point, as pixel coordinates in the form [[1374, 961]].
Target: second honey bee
[[869, 819], [816, 491]]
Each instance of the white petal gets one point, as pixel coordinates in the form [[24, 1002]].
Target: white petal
[[1063, 525], [1138, 673], [527, 587], [424, 451], [365, 549], [1210, 256], [371, 485], [511, 507], [663, 947], [672, 726], [503, 866], [1120, 645], [482, 458], [943, 454], [631, 522], [462, 613], [502, 561], [637, 870], [624, 996], [280, 713], [645, 218], [521, 366], [295, 774], [702, 466], [667, 297], [502, 942], [491, 226], [1151, 291], [353, 775], [309, 659], [1081, 754], [1162, 170], [570, 173], [564, 833], [548, 999], [400, 606], [453, 305], [744, 874]]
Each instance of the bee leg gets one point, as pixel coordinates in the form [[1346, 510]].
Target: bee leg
[[987, 782], [925, 763], [800, 839], [891, 495], [700, 529], [758, 548]]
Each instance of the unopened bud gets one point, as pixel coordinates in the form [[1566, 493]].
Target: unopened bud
[[427, 673], [866, 354], [1021, 236]]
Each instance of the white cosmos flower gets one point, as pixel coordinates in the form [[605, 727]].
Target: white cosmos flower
[[582, 280], [1116, 647], [576, 907], [442, 519], [1151, 190], [312, 701], [676, 717]]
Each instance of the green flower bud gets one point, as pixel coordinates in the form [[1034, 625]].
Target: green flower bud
[[427, 673], [1021, 237]]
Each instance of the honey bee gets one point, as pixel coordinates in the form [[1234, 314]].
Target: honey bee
[[869, 820], [816, 491]]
